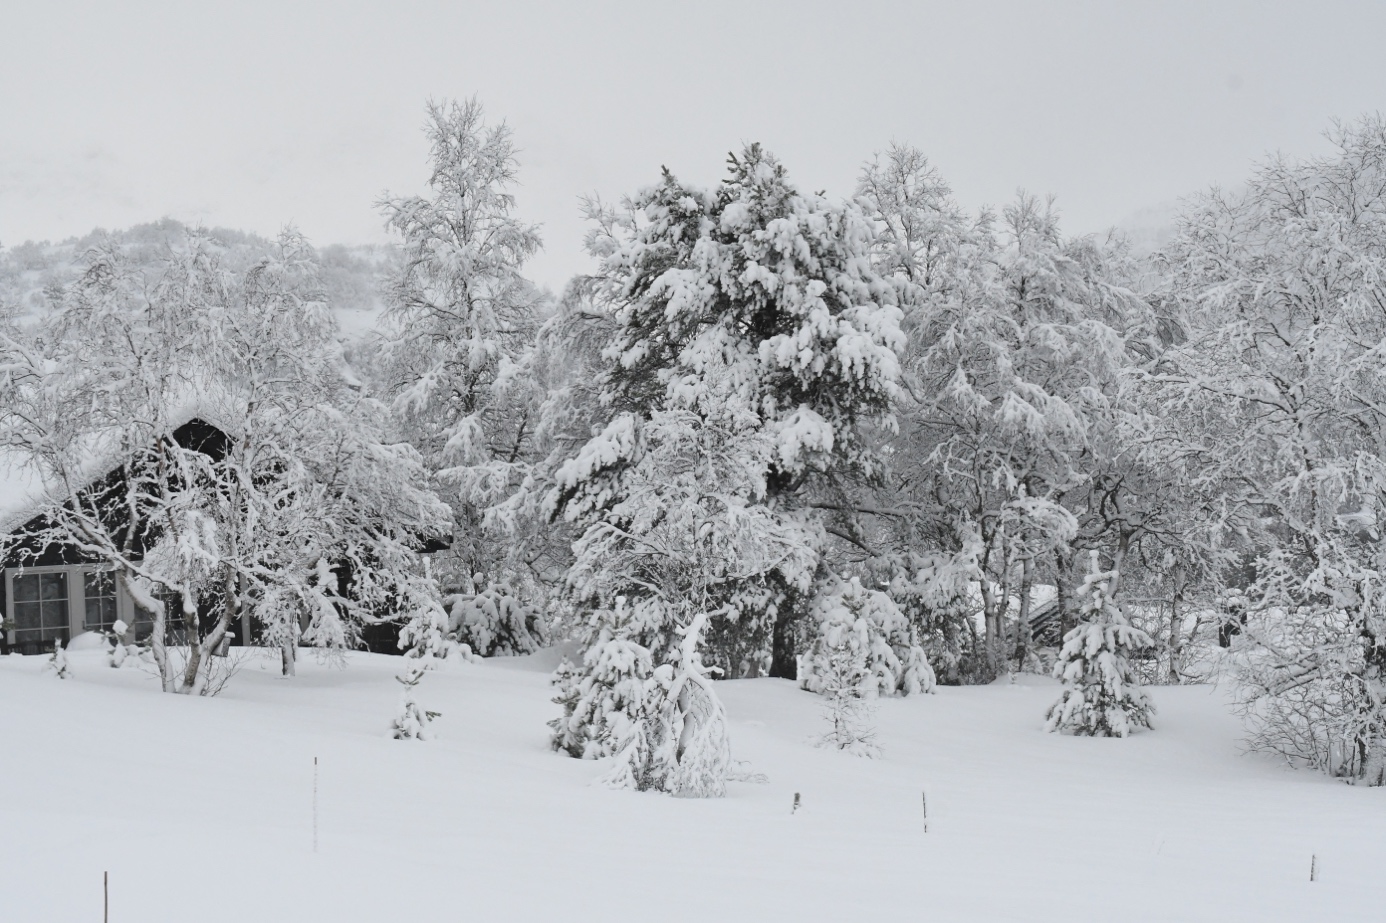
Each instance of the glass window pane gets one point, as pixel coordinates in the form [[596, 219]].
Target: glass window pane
[[101, 613], [53, 586], [93, 619], [26, 614], [98, 583], [54, 613], [26, 587], [99, 587]]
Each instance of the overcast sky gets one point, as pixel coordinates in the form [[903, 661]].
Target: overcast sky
[[255, 114]]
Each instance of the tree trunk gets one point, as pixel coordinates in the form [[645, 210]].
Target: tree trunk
[[1065, 602], [995, 602], [1023, 638], [988, 628], [1173, 645], [1374, 683], [215, 636], [190, 628], [784, 662], [157, 646]]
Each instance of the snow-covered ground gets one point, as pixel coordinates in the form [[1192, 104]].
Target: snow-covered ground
[[201, 810]]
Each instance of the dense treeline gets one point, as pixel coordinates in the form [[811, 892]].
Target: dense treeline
[[879, 443]]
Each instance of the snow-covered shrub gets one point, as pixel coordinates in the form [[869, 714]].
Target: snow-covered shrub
[[124, 646], [565, 734], [1102, 696], [495, 622], [424, 641], [58, 662], [412, 721], [842, 677], [1332, 718], [601, 697], [424, 636], [1311, 668], [865, 648], [934, 592], [676, 741], [863, 633], [663, 725]]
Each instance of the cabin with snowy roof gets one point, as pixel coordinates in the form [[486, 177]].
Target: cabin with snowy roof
[[52, 592]]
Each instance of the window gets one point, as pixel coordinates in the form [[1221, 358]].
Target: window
[[40, 608], [100, 592], [52, 603], [175, 631]]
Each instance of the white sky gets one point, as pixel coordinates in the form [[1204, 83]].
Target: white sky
[[253, 114]]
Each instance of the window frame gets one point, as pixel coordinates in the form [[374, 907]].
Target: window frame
[[76, 595]]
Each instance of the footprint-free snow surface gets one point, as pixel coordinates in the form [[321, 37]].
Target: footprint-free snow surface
[[202, 810]]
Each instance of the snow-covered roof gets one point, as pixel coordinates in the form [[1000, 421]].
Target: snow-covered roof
[[25, 491], [21, 489]]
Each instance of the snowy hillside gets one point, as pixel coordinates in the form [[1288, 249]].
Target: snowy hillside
[[201, 809], [30, 271]]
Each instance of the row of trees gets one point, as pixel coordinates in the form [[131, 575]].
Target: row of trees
[[771, 433], [760, 397]]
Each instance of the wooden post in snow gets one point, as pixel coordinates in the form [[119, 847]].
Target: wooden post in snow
[[315, 804], [924, 798]]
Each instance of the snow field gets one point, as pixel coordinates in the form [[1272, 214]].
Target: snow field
[[201, 809]]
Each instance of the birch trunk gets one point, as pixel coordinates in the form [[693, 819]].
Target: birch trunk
[[190, 631], [989, 625], [1173, 644], [1061, 568], [158, 618], [1023, 639], [215, 636]]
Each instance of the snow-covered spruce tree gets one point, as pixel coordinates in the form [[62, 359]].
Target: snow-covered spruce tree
[[883, 648], [606, 692], [1101, 697], [495, 622], [412, 721], [752, 310], [864, 648], [297, 498], [841, 673], [1280, 388], [687, 543], [675, 740], [458, 355], [934, 593]]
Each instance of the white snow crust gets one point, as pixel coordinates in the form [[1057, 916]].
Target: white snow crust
[[201, 809]]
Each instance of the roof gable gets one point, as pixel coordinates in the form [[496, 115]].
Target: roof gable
[[25, 492]]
